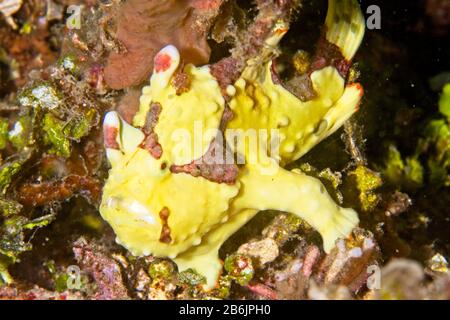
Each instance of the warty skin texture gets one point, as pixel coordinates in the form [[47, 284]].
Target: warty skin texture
[[202, 214]]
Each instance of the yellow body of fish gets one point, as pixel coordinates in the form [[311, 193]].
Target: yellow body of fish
[[199, 214]]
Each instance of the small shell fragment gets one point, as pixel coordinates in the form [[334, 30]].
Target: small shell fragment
[[438, 263]]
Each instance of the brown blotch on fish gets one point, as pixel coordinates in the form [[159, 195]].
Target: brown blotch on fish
[[165, 229], [151, 141]]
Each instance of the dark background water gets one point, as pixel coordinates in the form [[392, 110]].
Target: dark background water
[[408, 24]]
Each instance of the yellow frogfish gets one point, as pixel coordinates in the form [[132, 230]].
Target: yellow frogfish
[[185, 175]]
